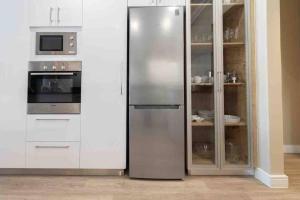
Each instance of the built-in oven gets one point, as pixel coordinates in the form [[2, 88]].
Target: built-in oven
[[56, 43], [54, 87]]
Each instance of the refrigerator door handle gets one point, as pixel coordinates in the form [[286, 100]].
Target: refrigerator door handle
[[157, 107]]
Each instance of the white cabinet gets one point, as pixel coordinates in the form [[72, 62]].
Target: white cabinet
[[14, 36], [140, 3], [171, 2], [53, 128], [69, 12], [103, 133], [49, 155], [55, 12]]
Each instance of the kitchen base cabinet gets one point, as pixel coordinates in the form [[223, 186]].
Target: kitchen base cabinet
[[53, 128], [52, 155]]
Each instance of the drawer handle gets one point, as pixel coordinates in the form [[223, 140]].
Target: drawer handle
[[53, 119], [52, 147]]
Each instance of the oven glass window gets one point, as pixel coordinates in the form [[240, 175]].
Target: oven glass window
[[51, 43], [54, 88]]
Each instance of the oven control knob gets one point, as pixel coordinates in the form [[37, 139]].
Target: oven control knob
[[71, 37], [54, 67], [63, 67], [71, 44], [45, 67]]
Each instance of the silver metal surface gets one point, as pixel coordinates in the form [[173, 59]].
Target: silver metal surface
[[156, 143], [52, 147], [67, 41], [53, 108], [49, 66], [156, 55], [64, 172]]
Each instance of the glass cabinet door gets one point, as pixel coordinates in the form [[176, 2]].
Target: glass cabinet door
[[203, 107], [236, 144]]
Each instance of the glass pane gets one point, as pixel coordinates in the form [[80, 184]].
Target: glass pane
[[202, 83], [235, 83]]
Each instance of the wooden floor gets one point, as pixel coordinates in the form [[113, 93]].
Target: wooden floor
[[122, 188]]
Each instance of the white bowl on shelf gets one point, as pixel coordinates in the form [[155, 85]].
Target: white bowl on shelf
[[197, 118]]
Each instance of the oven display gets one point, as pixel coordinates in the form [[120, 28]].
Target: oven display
[[51, 43]]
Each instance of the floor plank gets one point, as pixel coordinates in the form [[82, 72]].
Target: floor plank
[[122, 188]]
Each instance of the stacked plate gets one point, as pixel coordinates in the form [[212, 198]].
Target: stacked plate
[[206, 114]]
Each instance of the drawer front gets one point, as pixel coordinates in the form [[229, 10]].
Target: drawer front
[[52, 128], [53, 155]]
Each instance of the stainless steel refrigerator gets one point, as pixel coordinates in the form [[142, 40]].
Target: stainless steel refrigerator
[[156, 93]]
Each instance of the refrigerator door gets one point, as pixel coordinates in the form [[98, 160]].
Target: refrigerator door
[[156, 142], [156, 56]]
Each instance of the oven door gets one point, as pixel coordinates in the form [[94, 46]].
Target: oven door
[[54, 92]]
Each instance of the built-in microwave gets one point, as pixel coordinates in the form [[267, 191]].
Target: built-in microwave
[[56, 43]]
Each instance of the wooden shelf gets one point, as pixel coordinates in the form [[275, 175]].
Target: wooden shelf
[[210, 123], [210, 4], [202, 44], [225, 84], [233, 44]]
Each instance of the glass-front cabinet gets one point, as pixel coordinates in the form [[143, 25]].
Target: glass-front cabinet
[[220, 131]]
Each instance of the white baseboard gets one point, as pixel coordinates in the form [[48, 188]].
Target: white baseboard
[[272, 181], [291, 148]]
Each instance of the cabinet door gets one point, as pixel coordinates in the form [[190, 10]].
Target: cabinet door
[[69, 12], [42, 12], [170, 2], [103, 133], [14, 36], [138, 3], [235, 148]]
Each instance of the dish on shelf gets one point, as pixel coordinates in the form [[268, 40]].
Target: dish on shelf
[[232, 119], [206, 114], [197, 118]]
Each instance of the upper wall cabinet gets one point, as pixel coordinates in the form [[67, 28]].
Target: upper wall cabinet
[[171, 2], [55, 13], [137, 3], [140, 3]]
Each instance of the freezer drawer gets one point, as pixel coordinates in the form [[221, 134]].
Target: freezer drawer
[[156, 55], [156, 142]]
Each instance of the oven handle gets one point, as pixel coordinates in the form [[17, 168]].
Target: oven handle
[[52, 74]]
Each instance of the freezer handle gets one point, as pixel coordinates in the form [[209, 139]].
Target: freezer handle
[[157, 107]]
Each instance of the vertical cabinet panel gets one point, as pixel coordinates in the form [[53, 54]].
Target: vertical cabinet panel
[[69, 13], [103, 135], [14, 39], [138, 3], [42, 12]]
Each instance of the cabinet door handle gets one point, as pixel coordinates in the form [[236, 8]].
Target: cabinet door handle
[[52, 119], [153, 2], [50, 15], [220, 81], [52, 147], [58, 14], [121, 76]]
